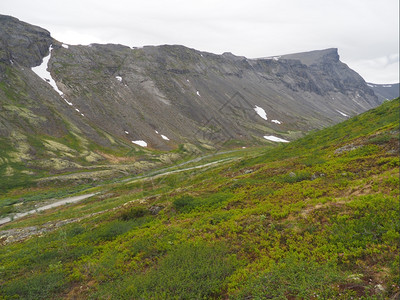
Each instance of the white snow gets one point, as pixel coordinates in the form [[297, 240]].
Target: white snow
[[42, 72], [276, 121], [387, 85], [243, 147], [156, 131], [77, 110], [119, 78], [126, 132], [140, 143], [82, 115], [164, 137], [69, 103], [65, 46], [276, 58], [198, 93], [187, 80], [342, 113], [261, 112], [370, 85], [201, 55], [275, 139], [11, 61]]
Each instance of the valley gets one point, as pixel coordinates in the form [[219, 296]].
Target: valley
[[322, 208], [165, 172]]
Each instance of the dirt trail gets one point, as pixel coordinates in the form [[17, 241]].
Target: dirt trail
[[52, 205], [154, 174]]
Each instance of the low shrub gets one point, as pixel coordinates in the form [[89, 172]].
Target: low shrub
[[295, 278], [190, 271]]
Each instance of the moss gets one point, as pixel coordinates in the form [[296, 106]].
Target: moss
[[57, 164], [9, 171], [92, 157], [21, 146], [23, 112], [56, 146]]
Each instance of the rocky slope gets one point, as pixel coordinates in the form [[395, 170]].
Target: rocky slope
[[385, 91], [323, 208], [98, 97]]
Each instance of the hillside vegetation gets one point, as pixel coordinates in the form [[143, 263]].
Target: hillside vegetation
[[317, 218]]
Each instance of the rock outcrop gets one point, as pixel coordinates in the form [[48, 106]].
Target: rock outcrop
[[160, 97]]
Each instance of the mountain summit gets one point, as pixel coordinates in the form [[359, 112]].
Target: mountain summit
[[110, 96]]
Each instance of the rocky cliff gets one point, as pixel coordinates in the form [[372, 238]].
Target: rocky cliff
[[385, 91], [159, 97]]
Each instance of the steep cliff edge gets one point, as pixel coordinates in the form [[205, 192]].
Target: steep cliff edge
[[72, 103]]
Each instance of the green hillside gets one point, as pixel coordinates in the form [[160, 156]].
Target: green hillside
[[317, 218]]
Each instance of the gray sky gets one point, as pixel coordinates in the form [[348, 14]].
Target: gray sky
[[365, 31]]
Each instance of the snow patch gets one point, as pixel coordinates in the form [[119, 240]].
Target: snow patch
[[77, 110], [276, 121], [11, 61], [261, 112], [342, 113], [65, 46], [69, 103], [156, 131], [126, 132], [370, 85], [165, 137], [42, 72], [387, 85], [82, 115], [275, 139], [119, 78], [276, 58], [198, 93], [187, 80], [140, 143]]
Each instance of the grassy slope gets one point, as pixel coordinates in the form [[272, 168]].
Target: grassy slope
[[40, 141], [304, 219]]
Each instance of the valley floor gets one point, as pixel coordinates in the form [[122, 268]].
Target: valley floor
[[317, 218]]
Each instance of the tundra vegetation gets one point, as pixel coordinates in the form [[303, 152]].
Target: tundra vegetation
[[317, 218]]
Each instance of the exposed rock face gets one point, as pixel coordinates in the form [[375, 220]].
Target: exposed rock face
[[188, 94], [385, 91], [22, 43], [163, 96]]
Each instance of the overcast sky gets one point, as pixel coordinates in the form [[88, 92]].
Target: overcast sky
[[366, 32]]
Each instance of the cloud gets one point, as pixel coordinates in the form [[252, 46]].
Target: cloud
[[363, 30], [384, 69]]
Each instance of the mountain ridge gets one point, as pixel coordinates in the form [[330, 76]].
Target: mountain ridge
[[136, 102]]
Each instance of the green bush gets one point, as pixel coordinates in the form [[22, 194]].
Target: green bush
[[187, 203], [295, 278], [109, 231], [37, 286], [133, 213], [380, 139], [190, 271], [296, 177]]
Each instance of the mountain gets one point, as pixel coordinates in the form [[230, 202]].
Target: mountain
[[316, 218], [67, 107], [385, 91]]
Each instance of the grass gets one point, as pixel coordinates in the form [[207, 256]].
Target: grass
[[301, 220]]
